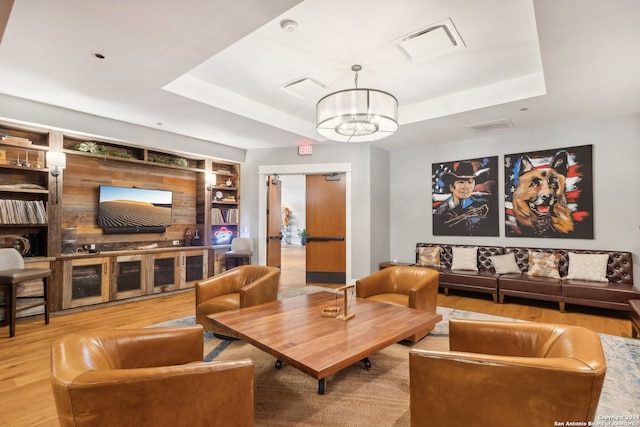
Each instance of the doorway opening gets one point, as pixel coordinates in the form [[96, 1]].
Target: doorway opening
[[293, 248], [306, 169]]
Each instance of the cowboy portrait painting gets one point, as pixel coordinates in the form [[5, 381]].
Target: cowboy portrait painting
[[465, 200]]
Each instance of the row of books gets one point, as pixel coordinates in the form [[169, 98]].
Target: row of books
[[16, 140], [22, 212], [224, 216]]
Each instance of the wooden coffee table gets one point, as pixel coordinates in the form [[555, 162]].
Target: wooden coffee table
[[294, 331]]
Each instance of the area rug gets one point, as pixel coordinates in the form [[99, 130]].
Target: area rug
[[380, 396]]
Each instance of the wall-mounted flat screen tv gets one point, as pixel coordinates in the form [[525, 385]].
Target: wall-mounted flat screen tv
[[223, 234], [134, 210]]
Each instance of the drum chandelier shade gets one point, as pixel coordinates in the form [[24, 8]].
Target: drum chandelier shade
[[357, 115]]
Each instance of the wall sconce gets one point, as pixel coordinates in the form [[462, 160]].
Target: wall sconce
[[56, 161], [211, 181]]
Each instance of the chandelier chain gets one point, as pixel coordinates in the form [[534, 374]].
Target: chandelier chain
[[355, 69]]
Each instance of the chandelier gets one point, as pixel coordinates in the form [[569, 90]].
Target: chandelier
[[357, 115]]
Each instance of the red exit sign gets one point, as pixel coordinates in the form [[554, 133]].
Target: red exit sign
[[305, 150]]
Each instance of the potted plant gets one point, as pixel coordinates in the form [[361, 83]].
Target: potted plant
[[303, 236]]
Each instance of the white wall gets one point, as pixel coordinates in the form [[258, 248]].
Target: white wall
[[616, 193], [380, 213]]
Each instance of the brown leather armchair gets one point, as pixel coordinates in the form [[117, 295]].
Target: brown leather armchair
[[147, 377], [511, 374], [406, 286], [239, 287]]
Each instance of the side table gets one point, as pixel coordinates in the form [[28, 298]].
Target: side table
[[634, 305], [392, 263]]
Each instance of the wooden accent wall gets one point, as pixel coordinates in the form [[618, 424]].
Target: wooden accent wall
[[83, 177]]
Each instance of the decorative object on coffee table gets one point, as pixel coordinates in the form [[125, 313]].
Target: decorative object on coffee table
[[346, 315]]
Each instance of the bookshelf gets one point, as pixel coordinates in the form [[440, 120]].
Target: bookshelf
[[225, 199], [24, 191]]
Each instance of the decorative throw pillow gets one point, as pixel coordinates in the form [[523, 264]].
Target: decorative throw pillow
[[465, 258], [542, 264], [505, 264], [429, 256], [591, 267]]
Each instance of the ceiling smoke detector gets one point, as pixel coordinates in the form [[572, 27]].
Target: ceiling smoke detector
[[289, 26]]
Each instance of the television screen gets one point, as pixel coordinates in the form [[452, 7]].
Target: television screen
[[130, 210], [223, 234]]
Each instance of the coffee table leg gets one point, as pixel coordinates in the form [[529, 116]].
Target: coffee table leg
[[321, 382], [367, 363]]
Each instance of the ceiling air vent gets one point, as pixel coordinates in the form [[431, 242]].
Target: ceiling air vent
[[305, 87], [491, 126], [430, 41]]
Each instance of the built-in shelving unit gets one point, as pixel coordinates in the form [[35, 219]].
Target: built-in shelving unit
[[117, 268], [225, 199], [24, 191]]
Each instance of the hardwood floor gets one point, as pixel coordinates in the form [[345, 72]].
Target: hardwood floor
[[25, 359]]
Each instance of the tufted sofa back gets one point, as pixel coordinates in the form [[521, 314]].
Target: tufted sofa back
[[446, 255], [619, 265], [522, 257]]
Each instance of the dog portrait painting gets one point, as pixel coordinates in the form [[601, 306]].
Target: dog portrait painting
[[549, 193]]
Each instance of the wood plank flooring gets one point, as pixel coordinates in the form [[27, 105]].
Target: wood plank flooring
[[25, 359]]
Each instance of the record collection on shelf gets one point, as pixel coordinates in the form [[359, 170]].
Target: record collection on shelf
[[22, 212], [224, 216]]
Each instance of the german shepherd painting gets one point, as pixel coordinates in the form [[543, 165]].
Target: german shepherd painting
[[540, 189]]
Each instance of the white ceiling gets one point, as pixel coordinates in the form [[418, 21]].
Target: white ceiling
[[215, 69]]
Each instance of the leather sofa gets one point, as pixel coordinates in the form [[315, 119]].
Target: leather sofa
[[508, 374], [485, 280], [148, 377], [405, 286], [614, 294], [242, 286]]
